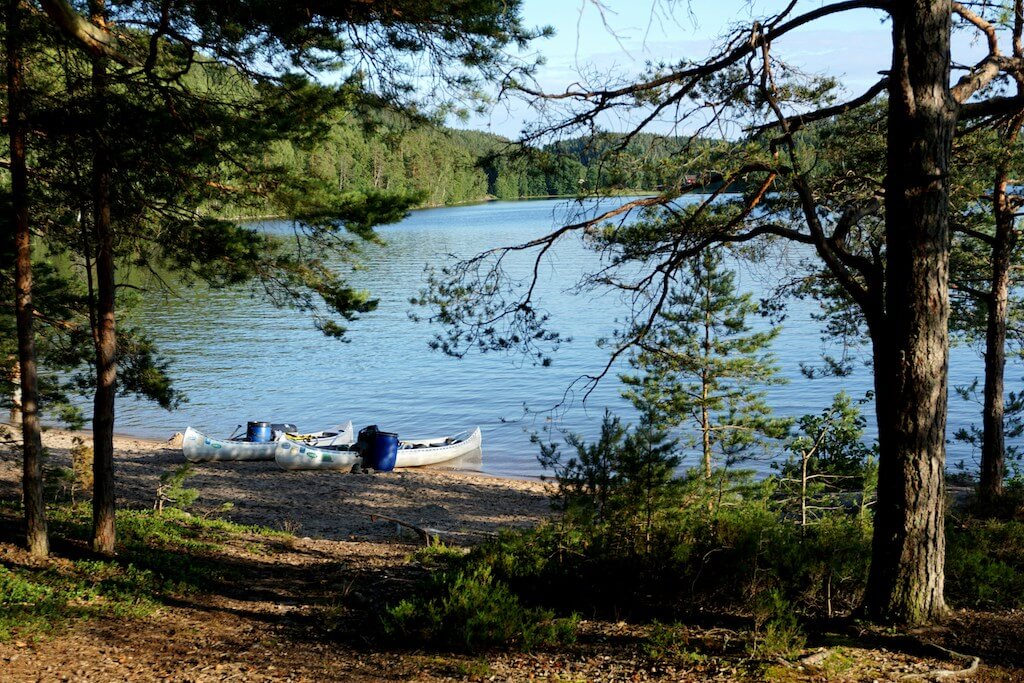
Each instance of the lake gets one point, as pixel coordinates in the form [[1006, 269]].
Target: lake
[[238, 358]]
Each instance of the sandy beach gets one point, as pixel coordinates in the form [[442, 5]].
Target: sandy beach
[[460, 507]]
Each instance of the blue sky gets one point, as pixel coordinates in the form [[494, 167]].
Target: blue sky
[[853, 46]]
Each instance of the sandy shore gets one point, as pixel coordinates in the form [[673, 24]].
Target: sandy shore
[[463, 507]]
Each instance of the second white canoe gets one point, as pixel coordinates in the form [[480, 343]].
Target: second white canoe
[[294, 455]]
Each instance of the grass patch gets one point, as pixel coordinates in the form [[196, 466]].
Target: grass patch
[[160, 555], [670, 643], [438, 556], [35, 601]]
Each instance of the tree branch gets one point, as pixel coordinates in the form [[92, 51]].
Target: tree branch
[[97, 41], [798, 121], [976, 234], [769, 33], [995, 106]]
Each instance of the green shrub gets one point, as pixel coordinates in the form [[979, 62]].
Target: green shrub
[[777, 631], [172, 491], [700, 558], [467, 608], [985, 563], [671, 642]]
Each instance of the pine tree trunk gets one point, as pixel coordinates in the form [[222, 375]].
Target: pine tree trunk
[[31, 434], [905, 583], [993, 448], [705, 381], [103, 534]]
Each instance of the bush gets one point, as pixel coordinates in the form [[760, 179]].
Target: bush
[[172, 491], [467, 608], [636, 541], [777, 632], [699, 560], [985, 563]]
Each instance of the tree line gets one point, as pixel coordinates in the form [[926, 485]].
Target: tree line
[[443, 166]]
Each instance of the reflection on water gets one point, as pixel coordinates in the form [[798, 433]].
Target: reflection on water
[[470, 462], [238, 358]]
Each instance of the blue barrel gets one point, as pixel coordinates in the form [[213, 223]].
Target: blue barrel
[[379, 449], [258, 432]]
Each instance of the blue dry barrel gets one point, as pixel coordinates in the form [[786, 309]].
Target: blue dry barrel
[[258, 432], [379, 449]]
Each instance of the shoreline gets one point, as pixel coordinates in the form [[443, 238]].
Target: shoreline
[[461, 507], [167, 443]]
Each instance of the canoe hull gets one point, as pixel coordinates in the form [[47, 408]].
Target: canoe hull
[[197, 447], [410, 456], [291, 455]]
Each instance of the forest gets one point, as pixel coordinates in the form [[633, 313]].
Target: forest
[[142, 135], [445, 166]]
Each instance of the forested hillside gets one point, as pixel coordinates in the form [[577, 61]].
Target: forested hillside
[[448, 166]]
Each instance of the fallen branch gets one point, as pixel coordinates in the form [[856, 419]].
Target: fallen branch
[[947, 674], [428, 536]]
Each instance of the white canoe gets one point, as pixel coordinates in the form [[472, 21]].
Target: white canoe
[[198, 447], [294, 455]]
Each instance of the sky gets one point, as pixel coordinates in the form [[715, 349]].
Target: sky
[[853, 46]]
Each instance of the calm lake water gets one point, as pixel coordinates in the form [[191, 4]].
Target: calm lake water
[[238, 358]]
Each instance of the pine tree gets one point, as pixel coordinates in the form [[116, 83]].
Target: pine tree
[[699, 363]]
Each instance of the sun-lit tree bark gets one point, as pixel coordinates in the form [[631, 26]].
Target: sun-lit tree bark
[[105, 339], [32, 482], [905, 583], [993, 445]]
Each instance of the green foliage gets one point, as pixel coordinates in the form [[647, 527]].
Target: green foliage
[[670, 642], [985, 563], [625, 480], [835, 440], [777, 632], [630, 543], [1013, 427], [468, 608], [172, 491], [728, 543], [829, 466], [700, 365], [384, 151]]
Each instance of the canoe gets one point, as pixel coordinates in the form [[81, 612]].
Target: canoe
[[198, 447], [294, 455]]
